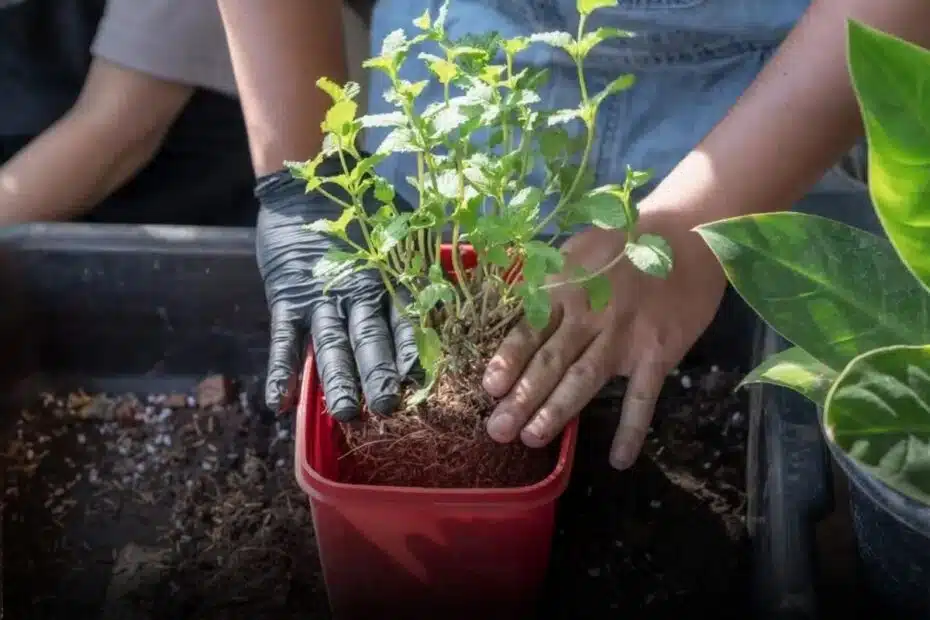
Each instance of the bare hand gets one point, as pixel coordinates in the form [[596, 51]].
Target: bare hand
[[546, 378]]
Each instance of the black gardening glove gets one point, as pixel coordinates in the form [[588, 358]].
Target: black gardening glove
[[357, 333]]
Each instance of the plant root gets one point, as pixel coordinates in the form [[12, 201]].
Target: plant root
[[442, 443]]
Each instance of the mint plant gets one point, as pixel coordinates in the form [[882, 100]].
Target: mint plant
[[856, 306], [475, 150]]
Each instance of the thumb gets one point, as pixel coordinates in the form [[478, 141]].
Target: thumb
[[283, 358]]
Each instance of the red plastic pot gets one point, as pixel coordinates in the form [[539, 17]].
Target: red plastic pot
[[408, 553]]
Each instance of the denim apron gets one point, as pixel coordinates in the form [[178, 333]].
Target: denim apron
[[692, 60]]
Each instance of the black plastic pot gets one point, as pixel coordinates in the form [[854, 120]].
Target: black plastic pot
[[795, 470]]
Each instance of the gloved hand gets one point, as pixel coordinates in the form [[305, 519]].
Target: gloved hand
[[358, 335]]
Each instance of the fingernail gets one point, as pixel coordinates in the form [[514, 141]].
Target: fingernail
[[492, 379], [501, 426], [621, 457], [534, 435]]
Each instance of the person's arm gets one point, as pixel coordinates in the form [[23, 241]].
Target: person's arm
[[279, 49], [109, 134], [795, 121], [149, 58]]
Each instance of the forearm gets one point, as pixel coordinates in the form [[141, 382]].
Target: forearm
[[67, 171], [278, 53], [792, 124]]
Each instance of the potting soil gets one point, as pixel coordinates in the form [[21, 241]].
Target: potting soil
[[185, 506]]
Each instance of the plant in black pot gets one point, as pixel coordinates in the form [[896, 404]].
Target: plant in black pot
[[856, 307]]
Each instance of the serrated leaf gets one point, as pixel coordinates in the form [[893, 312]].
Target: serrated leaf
[[541, 260], [651, 254], [599, 292], [586, 7], [390, 119], [620, 84], [394, 43], [384, 191], [400, 140], [636, 178], [592, 39], [394, 232], [878, 412], [429, 348], [537, 305], [563, 116], [448, 119], [423, 22], [444, 70], [892, 82], [332, 89], [602, 209], [555, 39], [335, 227], [432, 294], [335, 262], [339, 115], [834, 290], [795, 369]]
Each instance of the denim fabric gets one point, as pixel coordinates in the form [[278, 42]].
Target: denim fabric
[[692, 60]]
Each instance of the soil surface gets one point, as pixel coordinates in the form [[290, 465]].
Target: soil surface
[[165, 506], [667, 536], [180, 507]]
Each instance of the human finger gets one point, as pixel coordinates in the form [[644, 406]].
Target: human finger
[[283, 356], [373, 346], [580, 383], [515, 352], [639, 404], [543, 373], [335, 363]]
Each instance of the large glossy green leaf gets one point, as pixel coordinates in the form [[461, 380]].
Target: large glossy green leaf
[[878, 412], [831, 289], [796, 370], [892, 82]]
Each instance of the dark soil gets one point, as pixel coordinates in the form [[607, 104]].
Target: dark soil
[[668, 536], [154, 508], [101, 514]]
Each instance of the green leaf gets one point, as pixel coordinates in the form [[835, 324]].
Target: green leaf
[[339, 115], [331, 88], [526, 199], [537, 305], [384, 191], [394, 232], [423, 22], [650, 254], [599, 291], [429, 348], [433, 294], [541, 260], [602, 208], [892, 82], [336, 228], [400, 140], [444, 70], [390, 119], [592, 39], [561, 40], [335, 264], [586, 7], [620, 84], [831, 289], [796, 370], [878, 412]]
